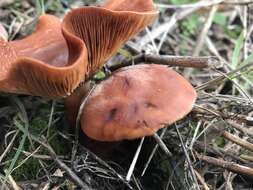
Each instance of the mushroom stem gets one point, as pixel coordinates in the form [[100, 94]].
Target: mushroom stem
[[171, 60], [132, 166], [162, 145], [77, 124]]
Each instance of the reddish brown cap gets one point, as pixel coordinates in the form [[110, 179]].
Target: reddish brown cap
[[136, 101], [41, 63], [105, 29]]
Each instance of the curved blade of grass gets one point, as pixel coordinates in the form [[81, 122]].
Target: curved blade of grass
[[237, 50], [21, 108], [40, 7], [245, 62]]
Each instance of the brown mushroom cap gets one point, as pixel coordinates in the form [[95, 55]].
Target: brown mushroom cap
[[41, 63], [136, 101]]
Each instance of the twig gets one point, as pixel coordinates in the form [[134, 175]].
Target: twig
[[238, 2], [205, 30], [99, 160], [170, 60], [194, 178], [132, 166], [241, 128], [203, 4], [13, 183], [77, 124], [170, 25], [51, 118], [201, 180], [231, 166], [246, 157], [153, 152], [162, 145], [238, 140], [62, 165], [217, 80], [7, 149], [200, 4]]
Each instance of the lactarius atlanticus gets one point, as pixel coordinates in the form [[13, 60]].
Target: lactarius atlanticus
[[58, 56], [41, 64], [134, 102]]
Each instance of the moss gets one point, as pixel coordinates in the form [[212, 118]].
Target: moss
[[28, 170]]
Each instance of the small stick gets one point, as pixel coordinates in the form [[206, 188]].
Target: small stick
[[132, 166], [62, 165], [153, 153], [201, 180], [231, 166], [240, 127], [217, 80], [13, 183], [162, 145], [192, 172], [99, 160], [9, 147], [77, 126], [238, 140], [246, 157], [50, 121], [237, 2], [170, 60]]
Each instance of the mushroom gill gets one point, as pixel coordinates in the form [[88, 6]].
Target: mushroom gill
[[58, 56], [104, 29]]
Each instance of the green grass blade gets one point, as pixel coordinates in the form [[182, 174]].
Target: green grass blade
[[40, 7], [23, 139], [237, 50]]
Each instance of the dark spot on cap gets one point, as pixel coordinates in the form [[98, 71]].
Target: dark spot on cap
[[111, 115], [150, 105], [126, 82]]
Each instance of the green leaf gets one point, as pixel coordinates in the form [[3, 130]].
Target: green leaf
[[100, 75], [220, 19]]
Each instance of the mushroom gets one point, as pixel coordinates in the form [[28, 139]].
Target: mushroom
[[42, 64], [57, 57], [133, 102]]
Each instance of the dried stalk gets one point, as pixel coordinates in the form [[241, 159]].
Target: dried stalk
[[170, 60], [231, 166]]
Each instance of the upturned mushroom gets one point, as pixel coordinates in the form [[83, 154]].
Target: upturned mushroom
[[41, 64], [58, 56], [133, 102]]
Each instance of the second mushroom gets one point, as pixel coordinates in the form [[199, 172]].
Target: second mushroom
[[133, 102]]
